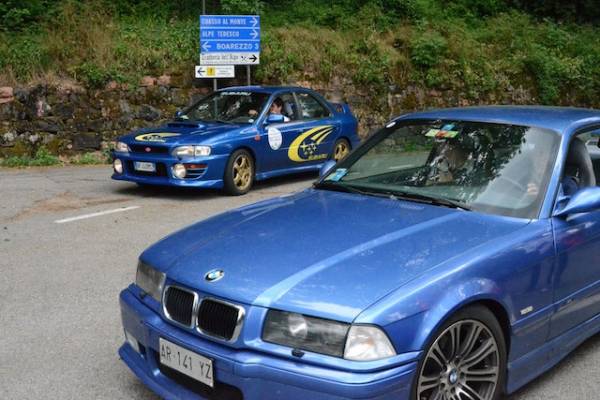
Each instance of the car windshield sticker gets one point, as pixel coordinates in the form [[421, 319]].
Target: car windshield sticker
[[441, 134], [305, 147], [155, 137], [275, 138], [337, 175]]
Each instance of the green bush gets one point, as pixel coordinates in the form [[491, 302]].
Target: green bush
[[428, 49], [241, 6]]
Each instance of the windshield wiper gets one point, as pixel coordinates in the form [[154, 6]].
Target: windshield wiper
[[392, 194], [439, 201], [341, 187], [336, 186]]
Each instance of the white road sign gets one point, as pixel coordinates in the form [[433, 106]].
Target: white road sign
[[229, 58], [215, 71]]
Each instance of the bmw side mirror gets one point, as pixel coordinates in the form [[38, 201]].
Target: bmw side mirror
[[326, 168], [275, 119], [178, 113], [585, 200]]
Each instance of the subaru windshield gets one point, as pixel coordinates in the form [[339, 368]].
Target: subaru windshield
[[491, 168], [235, 107]]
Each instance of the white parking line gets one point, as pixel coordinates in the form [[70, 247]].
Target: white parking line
[[96, 214]]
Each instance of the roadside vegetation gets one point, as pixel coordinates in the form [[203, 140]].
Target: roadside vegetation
[[43, 158], [476, 46], [480, 47]]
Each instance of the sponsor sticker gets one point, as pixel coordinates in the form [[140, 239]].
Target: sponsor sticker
[[155, 137], [337, 175], [275, 138], [306, 146], [441, 134]]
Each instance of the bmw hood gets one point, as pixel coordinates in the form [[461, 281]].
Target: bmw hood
[[175, 133], [321, 253]]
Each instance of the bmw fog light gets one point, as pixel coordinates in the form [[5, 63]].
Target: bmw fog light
[[118, 166], [179, 171], [132, 341]]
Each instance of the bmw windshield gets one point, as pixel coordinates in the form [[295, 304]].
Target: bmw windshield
[[227, 107], [492, 168]]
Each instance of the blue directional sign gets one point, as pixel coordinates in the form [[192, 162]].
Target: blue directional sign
[[229, 39]]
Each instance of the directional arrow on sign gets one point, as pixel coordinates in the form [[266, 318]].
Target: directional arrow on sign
[[253, 58], [206, 46], [254, 34], [254, 21]]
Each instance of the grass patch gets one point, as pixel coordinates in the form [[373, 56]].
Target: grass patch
[[42, 158], [92, 158]]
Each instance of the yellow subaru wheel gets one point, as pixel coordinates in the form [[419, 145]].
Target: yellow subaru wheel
[[239, 173], [341, 149]]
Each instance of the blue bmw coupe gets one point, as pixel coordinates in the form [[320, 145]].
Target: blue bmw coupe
[[453, 256], [236, 136]]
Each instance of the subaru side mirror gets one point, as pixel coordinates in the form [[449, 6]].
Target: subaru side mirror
[[275, 119]]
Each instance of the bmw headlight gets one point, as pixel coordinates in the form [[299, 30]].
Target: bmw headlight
[[338, 339], [150, 280], [191, 151], [121, 147]]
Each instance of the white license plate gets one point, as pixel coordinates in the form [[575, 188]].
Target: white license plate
[[144, 166], [187, 362]]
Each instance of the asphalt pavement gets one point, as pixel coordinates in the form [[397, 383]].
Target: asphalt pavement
[[69, 242]]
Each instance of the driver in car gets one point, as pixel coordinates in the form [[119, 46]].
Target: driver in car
[[277, 109], [450, 158]]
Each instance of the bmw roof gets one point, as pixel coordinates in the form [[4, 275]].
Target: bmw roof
[[263, 89], [564, 120]]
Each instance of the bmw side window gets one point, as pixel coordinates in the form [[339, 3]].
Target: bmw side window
[[311, 108]]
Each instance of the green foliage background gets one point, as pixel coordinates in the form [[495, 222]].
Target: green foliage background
[[478, 47]]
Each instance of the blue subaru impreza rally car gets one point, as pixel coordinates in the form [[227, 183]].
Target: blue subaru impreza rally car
[[238, 135]]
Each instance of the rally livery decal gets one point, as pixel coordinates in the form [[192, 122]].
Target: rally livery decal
[[155, 137], [305, 146]]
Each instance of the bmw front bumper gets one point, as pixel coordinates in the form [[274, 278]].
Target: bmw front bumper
[[211, 176], [244, 373]]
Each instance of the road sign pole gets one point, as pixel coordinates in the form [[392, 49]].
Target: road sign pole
[[215, 85], [248, 75]]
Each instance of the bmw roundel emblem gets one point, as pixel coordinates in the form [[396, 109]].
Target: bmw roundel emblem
[[148, 149], [214, 275]]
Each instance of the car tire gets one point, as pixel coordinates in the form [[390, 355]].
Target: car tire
[[341, 148], [239, 173], [475, 362]]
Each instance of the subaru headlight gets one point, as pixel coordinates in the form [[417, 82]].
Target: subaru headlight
[[150, 280], [338, 339], [191, 151], [121, 147]]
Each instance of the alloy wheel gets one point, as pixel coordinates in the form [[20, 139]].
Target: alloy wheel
[[242, 172], [462, 364], [341, 150]]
